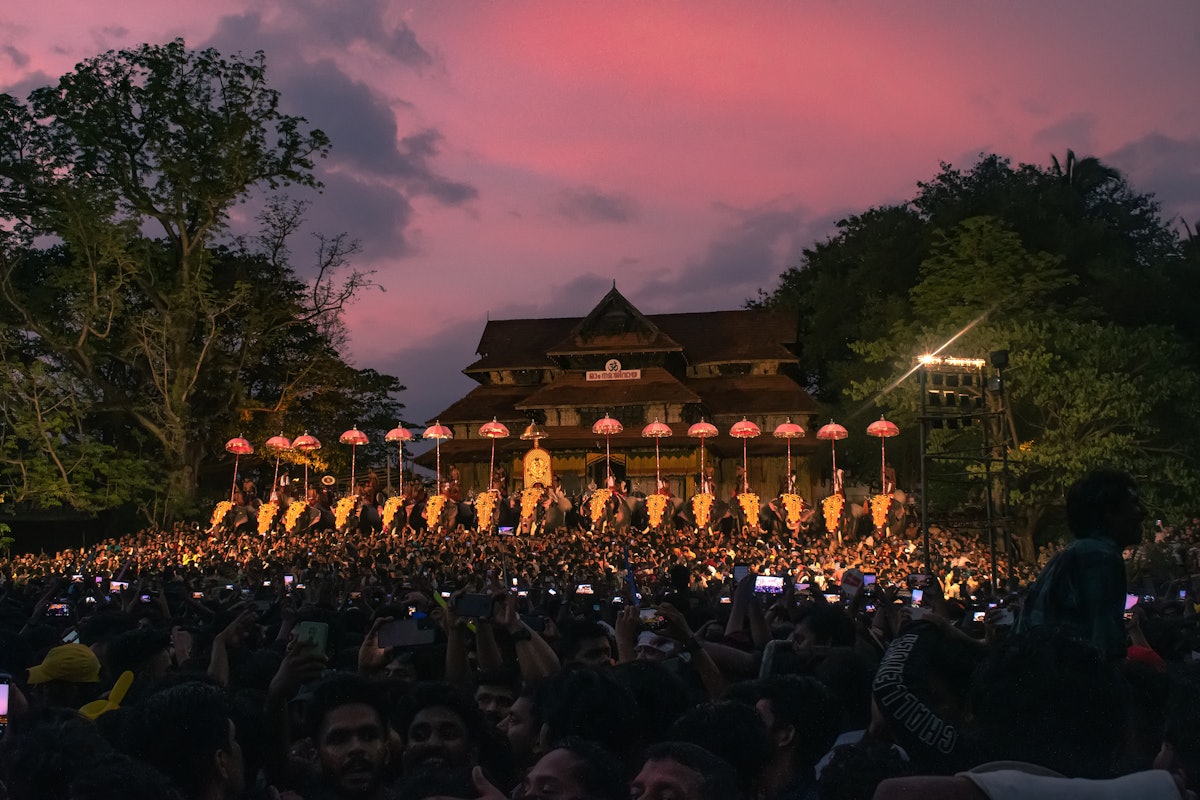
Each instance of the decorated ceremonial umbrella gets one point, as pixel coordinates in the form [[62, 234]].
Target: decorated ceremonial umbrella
[[703, 430], [657, 430], [745, 430], [437, 431], [353, 437], [884, 430], [306, 444], [606, 427], [399, 435], [789, 430], [239, 447], [493, 430], [833, 432], [276, 445]]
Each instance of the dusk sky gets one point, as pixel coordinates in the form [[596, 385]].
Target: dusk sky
[[512, 158]]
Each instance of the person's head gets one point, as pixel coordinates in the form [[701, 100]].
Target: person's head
[[590, 704], [523, 729], [801, 717], [684, 771], [1105, 502], [824, 625], [187, 732], [348, 722], [587, 643], [731, 730], [575, 768], [441, 726], [143, 651], [495, 692], [68, 676]]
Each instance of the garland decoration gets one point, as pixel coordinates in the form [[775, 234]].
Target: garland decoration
[[529, 501], [793, 504], [341, 513], [294, 511], [221, 511], [832, 506], [880, 504], [485, 506], [433, 510], [702, 508], [656, 506], [266, 515], [598, 503], [749, 503], [390, 508]]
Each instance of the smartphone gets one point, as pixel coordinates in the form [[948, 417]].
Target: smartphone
[[266, 583], [584, 588], [617, 600], [405, 633], [833, 598], [725, 600], [288, 580], [651, 619], [197, 595], [475, 606], [740, 571], [5, 680], [1182, 595], [918, 596], [868, 578], [1131, 600], [61, 609], [869, 608], [117, 586], [313, 634], [768, 584], [978, 616]]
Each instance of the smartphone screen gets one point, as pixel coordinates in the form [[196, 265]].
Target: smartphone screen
[[868, 578], [315, 634], [768, 584], [918, 595], [583, 588]]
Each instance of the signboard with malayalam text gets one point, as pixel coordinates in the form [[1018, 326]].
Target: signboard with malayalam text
[[612, 372]]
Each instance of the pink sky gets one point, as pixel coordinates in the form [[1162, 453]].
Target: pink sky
[[513, 158]]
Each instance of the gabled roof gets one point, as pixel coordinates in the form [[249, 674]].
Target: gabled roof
[[711, 337], [763, 394], [519, 343], [485, 402], [573, 389], [614, 326]]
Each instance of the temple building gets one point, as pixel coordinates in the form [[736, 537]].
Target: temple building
[[564, 374]]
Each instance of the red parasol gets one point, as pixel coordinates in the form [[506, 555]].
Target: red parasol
[[493, 430], [276, 445], [353, 437], [306, 444], [884, 430], [399, 435], [239, 447], [437, 431], [607, 427], [703, 430], [657, 430], [789, 430], [833, 432], [745, 430]]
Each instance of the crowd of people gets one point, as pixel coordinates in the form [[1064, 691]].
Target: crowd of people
[[721, 662]]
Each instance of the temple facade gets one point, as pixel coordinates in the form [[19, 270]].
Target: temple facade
[[564, 374]]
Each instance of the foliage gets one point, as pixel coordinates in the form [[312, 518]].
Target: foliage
[[148, 331], [1069, 270]]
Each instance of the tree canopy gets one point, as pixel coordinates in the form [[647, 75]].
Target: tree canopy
[[1070, 270], [146, 333]]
